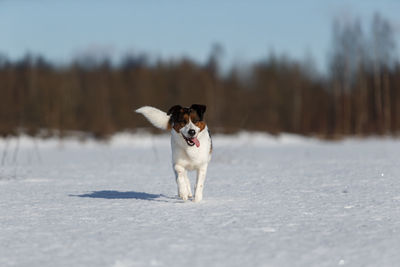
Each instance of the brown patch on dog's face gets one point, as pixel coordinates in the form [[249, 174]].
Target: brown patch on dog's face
[[179, 117], [195, 118], [175, 120], [180, 120]]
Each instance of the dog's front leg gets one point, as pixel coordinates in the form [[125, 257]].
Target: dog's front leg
[[187, 181], [180, 174], [201, 177]]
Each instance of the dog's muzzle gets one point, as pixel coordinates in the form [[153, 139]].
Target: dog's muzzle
[[191, 141]]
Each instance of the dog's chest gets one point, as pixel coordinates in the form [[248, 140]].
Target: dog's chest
[[191, 157]]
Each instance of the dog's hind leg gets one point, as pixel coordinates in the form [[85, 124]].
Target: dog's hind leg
[[201, 177], [181, 176]]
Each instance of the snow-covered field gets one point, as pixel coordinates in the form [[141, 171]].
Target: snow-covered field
[[287, 201]]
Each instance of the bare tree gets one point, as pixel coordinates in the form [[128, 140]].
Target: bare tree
[[345, 61], [382, 48]]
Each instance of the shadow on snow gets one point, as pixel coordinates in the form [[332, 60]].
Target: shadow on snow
[[112, 194]]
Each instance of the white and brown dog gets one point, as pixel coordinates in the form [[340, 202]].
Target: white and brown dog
[[190, 142]]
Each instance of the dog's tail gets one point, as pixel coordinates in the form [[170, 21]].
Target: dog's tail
[[157, 117]]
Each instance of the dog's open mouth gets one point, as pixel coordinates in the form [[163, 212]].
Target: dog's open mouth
[[191, 141]]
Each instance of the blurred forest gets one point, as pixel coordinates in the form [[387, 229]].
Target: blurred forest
[[359, 95]]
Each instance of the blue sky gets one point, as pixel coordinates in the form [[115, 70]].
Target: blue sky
[[247, 30]]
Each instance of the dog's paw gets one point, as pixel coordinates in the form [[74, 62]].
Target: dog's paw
[[198, 198], [184, 197]]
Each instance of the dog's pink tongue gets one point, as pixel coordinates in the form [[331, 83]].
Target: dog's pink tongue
[[196, 141]]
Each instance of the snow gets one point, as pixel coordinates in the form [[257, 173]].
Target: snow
[[268, 201]]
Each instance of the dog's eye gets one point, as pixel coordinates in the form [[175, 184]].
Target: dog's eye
[[195, 120]]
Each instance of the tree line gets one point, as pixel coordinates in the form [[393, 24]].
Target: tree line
[[359, 95]]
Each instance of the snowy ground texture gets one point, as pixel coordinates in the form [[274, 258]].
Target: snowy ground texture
[[286, 201]]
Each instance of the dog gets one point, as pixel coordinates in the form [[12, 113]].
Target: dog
[[190, 143]]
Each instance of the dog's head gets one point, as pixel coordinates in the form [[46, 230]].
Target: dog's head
[[189, 122]]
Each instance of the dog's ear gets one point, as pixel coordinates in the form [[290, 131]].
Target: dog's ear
[[173, 110], [200, 109]]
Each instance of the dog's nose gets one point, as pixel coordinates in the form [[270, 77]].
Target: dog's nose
[[191, 132]]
